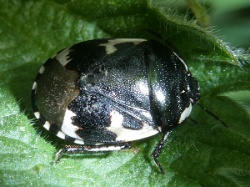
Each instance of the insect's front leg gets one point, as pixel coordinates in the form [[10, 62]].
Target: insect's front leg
[[158, 149]]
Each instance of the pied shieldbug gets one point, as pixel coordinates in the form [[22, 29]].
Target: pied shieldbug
[[103, 94]]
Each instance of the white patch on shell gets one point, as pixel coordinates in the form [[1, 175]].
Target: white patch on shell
[[124, 134], [67, 126], [110, 46], [34, 86], [46, 125], [185, 113], [81, 142], [62, 57], [37, 114], [61, 135], [41, 70], [105, 148]]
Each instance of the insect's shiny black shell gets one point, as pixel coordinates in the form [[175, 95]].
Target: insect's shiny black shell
[[113, 90]]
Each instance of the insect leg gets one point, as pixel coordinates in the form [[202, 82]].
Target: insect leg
[[158, 149], [73, 149], [212, 114]]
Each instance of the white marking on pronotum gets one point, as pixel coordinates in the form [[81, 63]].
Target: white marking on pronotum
[[185, 113], [62, 57], [159, 128], [37, 114], [67, 126], [46, 125], [110, 46], [41, 70], [127, 135], [183, 62], [34, 86]]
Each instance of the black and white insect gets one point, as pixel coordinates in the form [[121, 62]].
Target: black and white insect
[[102, 94]]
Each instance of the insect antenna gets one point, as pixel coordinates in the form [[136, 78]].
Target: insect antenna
[[212, 114], [192, 120]]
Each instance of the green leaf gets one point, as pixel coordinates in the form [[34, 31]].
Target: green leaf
[[203, 154]]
